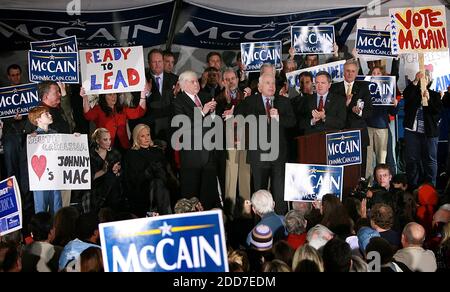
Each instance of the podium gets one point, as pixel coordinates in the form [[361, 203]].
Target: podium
[[311, 149]]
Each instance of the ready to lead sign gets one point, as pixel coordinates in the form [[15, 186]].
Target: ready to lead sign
[[344, 148], [192, 242]]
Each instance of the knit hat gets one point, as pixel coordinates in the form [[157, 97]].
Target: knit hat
[[186, 205], [261, 238], [364, 236]]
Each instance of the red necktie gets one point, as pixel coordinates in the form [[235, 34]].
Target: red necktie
[[197, 102], [268, 107], [320, 107]]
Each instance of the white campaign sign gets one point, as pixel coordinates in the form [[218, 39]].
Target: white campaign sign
[[58, 162], [112, 70]]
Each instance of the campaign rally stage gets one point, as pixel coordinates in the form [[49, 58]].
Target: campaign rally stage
[[309, 182], [192, 242], [10, 206]]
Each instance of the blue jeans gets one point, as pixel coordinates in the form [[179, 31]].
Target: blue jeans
[[421, 158], [47, 201]]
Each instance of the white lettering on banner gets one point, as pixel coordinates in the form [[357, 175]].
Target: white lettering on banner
[[262, 56], [313, 38], [149, 257], [377, 42], [17, 99], [53, 66], [343, 147], [126, 32], [327, 183], [381, 89]]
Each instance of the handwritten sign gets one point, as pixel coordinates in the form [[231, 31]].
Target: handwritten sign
[[309, 182], [10, 206], [254, 55], [18, 99], [58, 162], [418, 29], [112, 70]]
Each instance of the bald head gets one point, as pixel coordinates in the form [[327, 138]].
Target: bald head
[[413, 235]]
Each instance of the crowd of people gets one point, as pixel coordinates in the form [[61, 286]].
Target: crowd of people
[[137, 170]]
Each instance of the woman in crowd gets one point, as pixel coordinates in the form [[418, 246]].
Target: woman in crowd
[[106, 189], [146, 175], [110, 114]]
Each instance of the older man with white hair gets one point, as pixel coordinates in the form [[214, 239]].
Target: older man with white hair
[[263, 206], [198, 169]]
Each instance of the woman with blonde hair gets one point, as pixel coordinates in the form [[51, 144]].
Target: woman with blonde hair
[[146, 175], [307, 253], [106, 190]]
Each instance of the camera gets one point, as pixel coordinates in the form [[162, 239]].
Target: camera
[[361, 189]]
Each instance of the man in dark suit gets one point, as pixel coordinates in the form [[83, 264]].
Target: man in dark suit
[[159, 103], [422, 116], [323, 110], [198, 169], [277, 113], [359, 104]]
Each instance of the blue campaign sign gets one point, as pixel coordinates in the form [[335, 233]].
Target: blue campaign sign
[[309, 182], [373, 43], [10, 206], [192, 242], [18, 99], [344, 148], [43, 66], [382, 89], [312, 39], [147, 26], [208, 28], [254, 55], [64, 45]]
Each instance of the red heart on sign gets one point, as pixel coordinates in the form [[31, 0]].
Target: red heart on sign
[[39, 164]]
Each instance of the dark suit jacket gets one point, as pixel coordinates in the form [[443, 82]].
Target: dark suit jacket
[[159, 107], [335, 111], [431, 113], [183, 105], [254, 106], [360, 90]]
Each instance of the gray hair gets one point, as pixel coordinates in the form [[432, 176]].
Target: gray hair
[[267, 65], [318, 236], [261, 77], [352, 62], [262, 202], [295, 222], [228, 70], [186, 75]]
